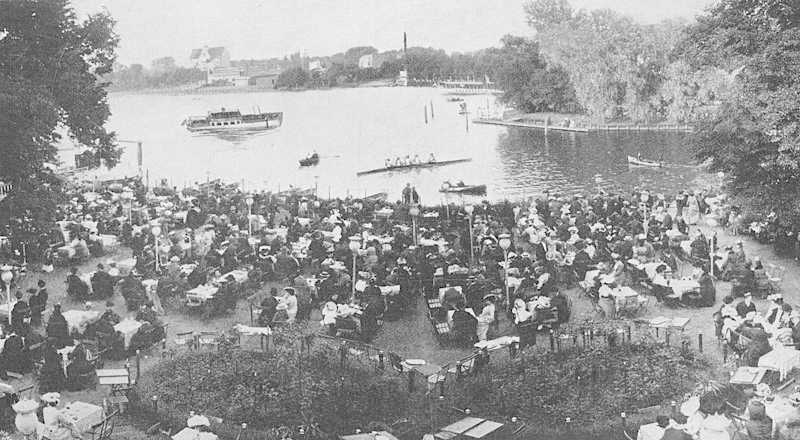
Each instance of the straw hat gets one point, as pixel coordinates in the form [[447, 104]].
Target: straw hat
[[691, 406], [25, 406], [51, 397], [197, 420]]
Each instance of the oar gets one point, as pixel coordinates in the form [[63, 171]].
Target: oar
[[335, 156]]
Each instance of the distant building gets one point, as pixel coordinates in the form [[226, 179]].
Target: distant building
[[316, 65], [366, 61], [371, 61], [227, 76], [402, 79], [264, 79], [208, 58]]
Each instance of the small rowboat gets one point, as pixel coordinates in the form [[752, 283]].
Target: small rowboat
[[643, 163], [309, 161], [475, 190], [412, 166], [455, 99]]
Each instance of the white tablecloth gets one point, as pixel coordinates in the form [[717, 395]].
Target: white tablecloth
[[128, 328], [781, 359], [5, 308], [77, 320], [252, 331], [682, 286], [193, 434], [203, 293], [239, 276], [82, 415]]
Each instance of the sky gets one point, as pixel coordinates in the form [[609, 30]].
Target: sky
[[273, 28]]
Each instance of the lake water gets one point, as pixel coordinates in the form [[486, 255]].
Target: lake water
[[356, 129]]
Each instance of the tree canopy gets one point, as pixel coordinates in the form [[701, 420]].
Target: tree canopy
[[526, 80], [50, 65], [755, 135]]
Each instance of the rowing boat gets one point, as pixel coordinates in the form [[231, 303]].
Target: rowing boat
[[477, 190], [412, 166], [643, 163], [310, 160]]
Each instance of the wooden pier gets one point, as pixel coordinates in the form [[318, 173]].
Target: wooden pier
[[585, 128]]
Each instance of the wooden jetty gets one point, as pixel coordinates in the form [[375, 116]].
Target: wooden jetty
[[542, 125]]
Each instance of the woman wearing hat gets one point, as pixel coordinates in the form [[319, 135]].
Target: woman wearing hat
[[486, 317]]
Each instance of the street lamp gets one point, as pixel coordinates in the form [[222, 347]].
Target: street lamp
[[414, 212], [156, 230], [469, 209], [505, 243], [7, 275], [355, 245], [249, 202]]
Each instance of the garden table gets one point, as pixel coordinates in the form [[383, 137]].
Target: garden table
[[378, 435], [782, 360], [128, 328], [82, 416], [201, 294], [748, 376], [77, 320], [193, 434]]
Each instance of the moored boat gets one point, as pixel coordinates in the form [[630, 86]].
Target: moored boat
[[310, 160], [412, 166], [233, 120], [461, 188], [644, 163]]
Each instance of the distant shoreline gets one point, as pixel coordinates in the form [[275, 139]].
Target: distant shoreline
[[195, 90]]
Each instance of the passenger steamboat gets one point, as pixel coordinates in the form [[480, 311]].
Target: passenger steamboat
[[234, 120]]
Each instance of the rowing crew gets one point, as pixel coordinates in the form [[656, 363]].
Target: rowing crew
[[408, 160]]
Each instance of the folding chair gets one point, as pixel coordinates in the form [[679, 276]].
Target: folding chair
[[104, 429], [208, 339], [775, 274], [185, 339]]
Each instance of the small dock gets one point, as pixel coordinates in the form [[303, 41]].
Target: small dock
[[585, 128]]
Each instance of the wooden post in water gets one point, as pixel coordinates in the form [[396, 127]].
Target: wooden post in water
[[432, 117], [426, 114]]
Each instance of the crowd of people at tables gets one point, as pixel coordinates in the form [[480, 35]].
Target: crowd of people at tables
[[185, 239]]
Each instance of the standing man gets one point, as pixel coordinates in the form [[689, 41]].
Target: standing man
[[407, 194]]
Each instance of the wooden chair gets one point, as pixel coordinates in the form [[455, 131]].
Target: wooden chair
[[775, 274], [207, 339], [104, 429], [185, 339]]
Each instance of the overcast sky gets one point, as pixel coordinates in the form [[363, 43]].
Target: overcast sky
[[269, 28]]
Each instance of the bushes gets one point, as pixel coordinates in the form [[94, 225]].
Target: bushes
[[591, 386], [279, 388], [294, 385]]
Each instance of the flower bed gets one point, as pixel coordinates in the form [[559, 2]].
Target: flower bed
[[589, 386], [290, 387]]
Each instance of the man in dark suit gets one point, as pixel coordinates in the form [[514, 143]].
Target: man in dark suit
[[102, 283], [746, 306]]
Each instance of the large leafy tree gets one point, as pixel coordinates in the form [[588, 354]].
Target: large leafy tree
[[615, 64], [50, 69], [526, 80], [755, 135]]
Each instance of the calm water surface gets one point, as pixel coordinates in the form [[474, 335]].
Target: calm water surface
[[356, 129]]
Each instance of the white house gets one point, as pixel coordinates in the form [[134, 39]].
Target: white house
[[366, 61], [227, 76], [208, 58]]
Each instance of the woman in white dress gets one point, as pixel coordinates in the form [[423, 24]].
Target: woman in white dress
[[692, 211]]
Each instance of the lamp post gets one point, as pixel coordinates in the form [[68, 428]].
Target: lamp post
[[505, 244], [249, 202], [355, 245], [469, 209], [414, 212], [7, 275], [156, 230]]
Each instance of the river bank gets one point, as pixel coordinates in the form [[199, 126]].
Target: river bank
[[193, 89]]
